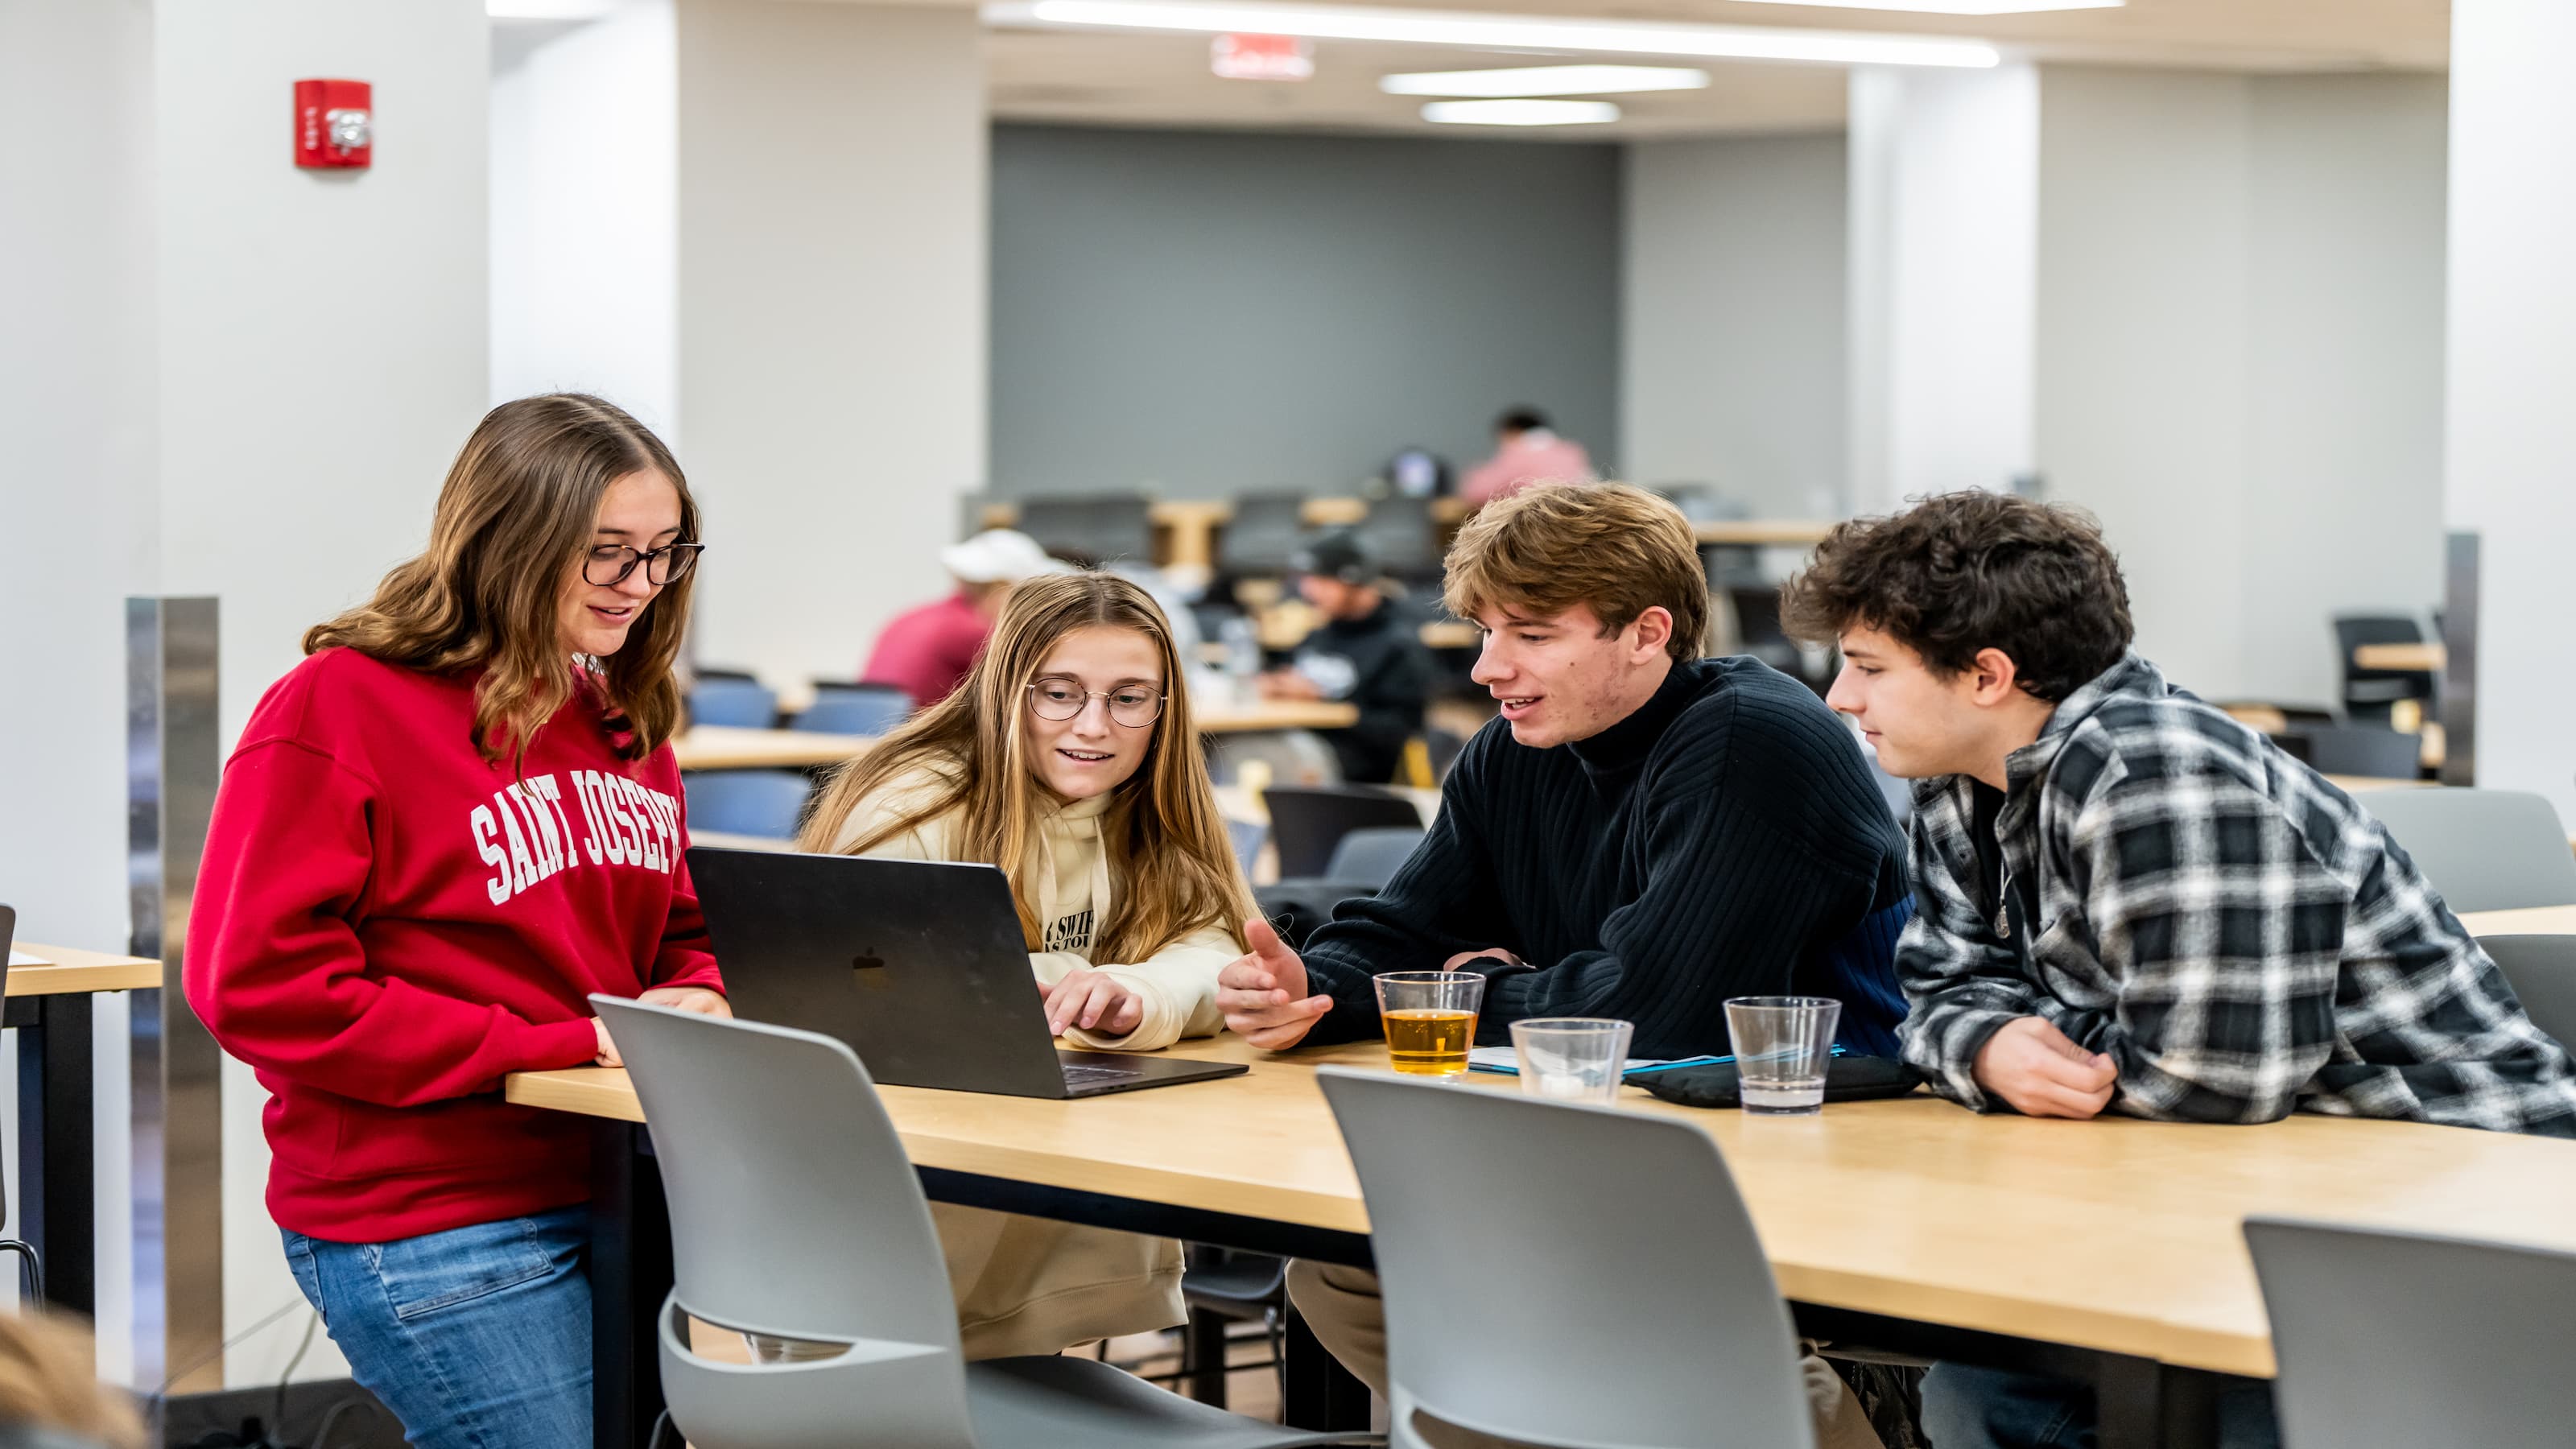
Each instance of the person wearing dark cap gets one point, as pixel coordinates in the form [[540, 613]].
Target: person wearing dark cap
[[1363, 655]]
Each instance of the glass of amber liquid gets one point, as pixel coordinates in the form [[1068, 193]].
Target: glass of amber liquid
[[1430, 1019]]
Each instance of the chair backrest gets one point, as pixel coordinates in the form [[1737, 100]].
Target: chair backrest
[[1247, 837], [1305, 824], [1651, 1335], [2542, 972], [746, 703], [1106, 527], [2358, 750], [1373, 854], [2374, 687], [746, 802], [854, 709], [1263, 533], [2484, 850], [1401, 535], [2389, 1339]]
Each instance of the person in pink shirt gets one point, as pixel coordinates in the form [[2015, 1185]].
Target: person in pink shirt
[[926, 652], [1526, 451]]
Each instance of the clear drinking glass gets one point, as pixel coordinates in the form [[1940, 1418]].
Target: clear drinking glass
[[1782, 1045], [1571, 1058], [1430, 1019]]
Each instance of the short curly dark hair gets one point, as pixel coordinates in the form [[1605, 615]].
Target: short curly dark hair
[[1960, 572]]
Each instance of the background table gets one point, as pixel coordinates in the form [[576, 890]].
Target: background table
[[731, 747], [49, 1007]]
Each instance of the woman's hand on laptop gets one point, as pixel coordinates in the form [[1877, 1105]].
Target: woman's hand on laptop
[[1263, 992], [1093, 1001], [689, 998], [608, 1056]]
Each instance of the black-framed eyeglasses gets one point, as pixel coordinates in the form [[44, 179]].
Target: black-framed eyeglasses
[[1132, 705], [610, 563]]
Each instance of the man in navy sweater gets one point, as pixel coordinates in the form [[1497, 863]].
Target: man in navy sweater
[[1643, 834]]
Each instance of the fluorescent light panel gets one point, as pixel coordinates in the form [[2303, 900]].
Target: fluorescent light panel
[[1520, 113], [1960, 7], [1546, 80], [1502, 32], [547, 9]]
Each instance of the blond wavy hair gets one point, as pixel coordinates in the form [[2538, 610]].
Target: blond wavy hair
[[513, 523], [1171, 865]]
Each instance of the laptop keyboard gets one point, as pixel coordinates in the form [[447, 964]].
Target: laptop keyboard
[[1075, 1076]]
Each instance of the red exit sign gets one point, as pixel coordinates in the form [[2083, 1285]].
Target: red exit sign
[[1262, 57]]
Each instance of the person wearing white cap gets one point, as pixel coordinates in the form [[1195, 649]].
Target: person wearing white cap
[[925, 652]]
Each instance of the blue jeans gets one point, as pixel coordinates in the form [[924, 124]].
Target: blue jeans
[[1980, 1408], [476, 1338]]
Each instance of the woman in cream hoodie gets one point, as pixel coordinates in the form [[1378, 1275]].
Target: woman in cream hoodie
[[1068, 758]]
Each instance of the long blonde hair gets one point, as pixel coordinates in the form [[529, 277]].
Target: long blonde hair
[[514, 520], [1171, 866]]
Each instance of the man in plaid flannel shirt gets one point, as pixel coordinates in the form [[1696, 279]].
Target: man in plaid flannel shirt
[[2125, 900]]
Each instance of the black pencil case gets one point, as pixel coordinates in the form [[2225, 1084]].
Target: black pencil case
[[1847, 1079]]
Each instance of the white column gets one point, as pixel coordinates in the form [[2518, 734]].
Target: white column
[[322, 355], [2512, 435], [832, 316], [1944, 232]]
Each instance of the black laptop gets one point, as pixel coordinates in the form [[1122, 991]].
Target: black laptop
[[917, 964]]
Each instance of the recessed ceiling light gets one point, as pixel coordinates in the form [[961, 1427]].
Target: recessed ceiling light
[[1960, 7], [1545, 80], [547, 9], [1519, 113], [1498, 32]]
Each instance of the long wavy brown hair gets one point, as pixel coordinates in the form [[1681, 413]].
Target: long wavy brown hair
[[1172, 869], [514, 522]]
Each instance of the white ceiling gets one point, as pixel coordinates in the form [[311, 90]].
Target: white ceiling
[[1101, 77]]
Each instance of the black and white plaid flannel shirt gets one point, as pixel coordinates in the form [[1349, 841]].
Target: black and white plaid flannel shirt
[[2239, 936]]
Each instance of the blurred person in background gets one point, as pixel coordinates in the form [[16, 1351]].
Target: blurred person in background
[[1526, 451], [1364, 655], [50, 1396], [927, 651]]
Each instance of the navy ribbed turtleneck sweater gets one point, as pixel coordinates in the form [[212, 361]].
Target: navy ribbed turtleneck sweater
[[1726, 839]]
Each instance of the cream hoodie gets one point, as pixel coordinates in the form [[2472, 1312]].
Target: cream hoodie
[[1031, 1285]]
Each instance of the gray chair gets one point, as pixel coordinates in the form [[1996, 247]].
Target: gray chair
[[2484, 850], [1102, 528], [2369, 694], [1373, 854], [2356, 750], [836, 1246], [2542, 972], [1667, 1332], [1263, 534], [2391, 1340], [854, 709], [1306, 824]]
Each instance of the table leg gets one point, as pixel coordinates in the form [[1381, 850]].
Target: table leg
[[1322, 1395], [630, 1275], [57, 1157], [2142, 1404]]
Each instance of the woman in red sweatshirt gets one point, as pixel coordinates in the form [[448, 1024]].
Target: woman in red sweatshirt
[[455, 820]]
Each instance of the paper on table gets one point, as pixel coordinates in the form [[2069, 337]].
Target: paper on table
[[21, 958], [1507, 1061]]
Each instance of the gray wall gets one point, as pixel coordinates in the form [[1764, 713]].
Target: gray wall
[[1197, 313]]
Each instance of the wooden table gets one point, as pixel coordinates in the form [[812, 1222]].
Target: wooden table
[[1273, 714], [730, 747], [1185, 528], [49, 1007], [2412, 658], [2112, 1248], [2358, 784], [2530, 921]]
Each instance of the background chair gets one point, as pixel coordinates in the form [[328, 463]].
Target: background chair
[[1404, 539], [1247, 837], [2542, 972], [1305, 824], [746, 802], [1372, 854], [1261, 535], [2368, 693], [2356, 750], [854, 709], [33, 1288], [744, 703], [839, 1249], [1225, 1287], [1102, 528], [1653, 1335], [2485, 850], [2390, 1339]]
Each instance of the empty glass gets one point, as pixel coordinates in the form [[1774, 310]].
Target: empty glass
[[1571, 1058], [1430, 1019], [1782, 1046]]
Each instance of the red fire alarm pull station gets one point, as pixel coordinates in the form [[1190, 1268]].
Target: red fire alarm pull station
[[335, 123]]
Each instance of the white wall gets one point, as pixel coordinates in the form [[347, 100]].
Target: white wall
[[585, 222], [76, 409], [1945, 177], [322, 356], [2512, 435], [1733, 357], [832, 307]]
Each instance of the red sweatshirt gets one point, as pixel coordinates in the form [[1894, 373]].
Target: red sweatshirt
[[385, 926]]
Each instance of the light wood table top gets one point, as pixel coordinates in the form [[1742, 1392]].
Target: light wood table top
[[1273, 714], [2423, 658], [2530, 921], [728, 747], [2360, 784], [61, 970], [2115, 1235]]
